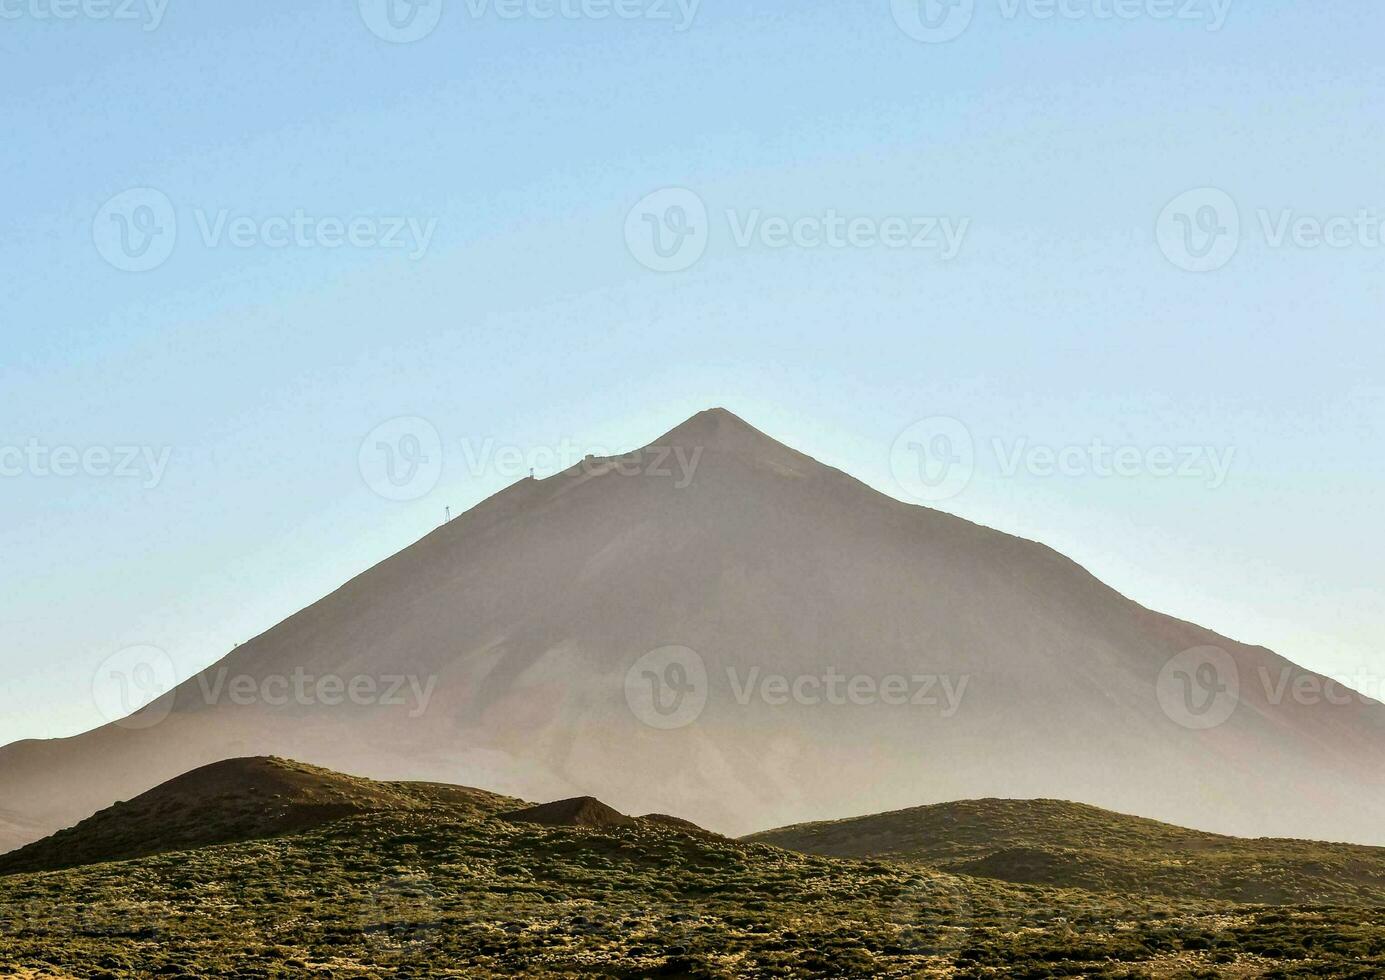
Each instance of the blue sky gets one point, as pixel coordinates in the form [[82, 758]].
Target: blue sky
[[514, 147]]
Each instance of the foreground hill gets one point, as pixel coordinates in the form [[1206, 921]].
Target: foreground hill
[[446, 884], [239, 799], [581, 811], [992, 666], [1053, 842]]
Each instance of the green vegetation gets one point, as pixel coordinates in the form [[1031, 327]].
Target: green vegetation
[[442, 885], [239, 799], [1052, 842]]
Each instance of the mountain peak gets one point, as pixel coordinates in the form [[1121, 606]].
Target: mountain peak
[[722, 415], [581, 811], [714, 423], [723, 431]]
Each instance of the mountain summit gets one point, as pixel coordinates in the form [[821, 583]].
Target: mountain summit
[[722, 627], [721, 430]]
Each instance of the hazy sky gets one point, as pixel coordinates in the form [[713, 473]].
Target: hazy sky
[[992, 229]]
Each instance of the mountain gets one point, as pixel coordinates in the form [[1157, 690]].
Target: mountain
[[587, 811], [1071, 845], [436, 881], [234, 800], [677, 823], [580, 811], [637, 628]]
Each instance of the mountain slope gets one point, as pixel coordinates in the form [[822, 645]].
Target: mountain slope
[[17, 830], [1052, 842], [531, 619]]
